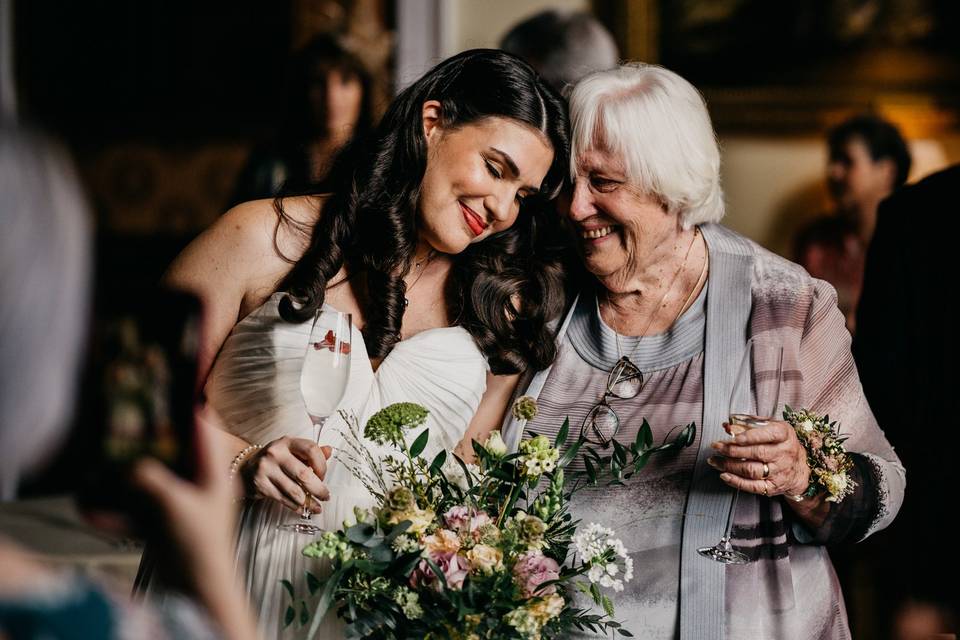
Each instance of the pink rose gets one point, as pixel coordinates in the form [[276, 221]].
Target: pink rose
[[453, 567], [533, 569], [465, 519], [815, 440]]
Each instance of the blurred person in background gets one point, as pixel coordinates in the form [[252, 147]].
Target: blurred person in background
[[907, 351], [868, 160], [562, 46], [328, 101], [45, 255]]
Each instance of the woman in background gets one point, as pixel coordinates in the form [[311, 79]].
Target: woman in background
[[328, 102]]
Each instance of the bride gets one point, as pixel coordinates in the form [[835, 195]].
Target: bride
[[435, 239]]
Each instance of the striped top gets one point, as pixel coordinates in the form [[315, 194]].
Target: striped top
[[647, 513], [789, 589]]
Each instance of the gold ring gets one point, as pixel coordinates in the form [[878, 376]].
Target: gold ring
[[765, 490], [766, 471]]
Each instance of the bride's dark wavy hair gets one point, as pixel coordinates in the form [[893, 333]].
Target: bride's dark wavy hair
[[503, 290]]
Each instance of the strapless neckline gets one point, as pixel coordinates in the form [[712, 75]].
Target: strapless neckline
[[405, 343]]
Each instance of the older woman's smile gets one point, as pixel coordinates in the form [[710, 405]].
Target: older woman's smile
[[597, 233]]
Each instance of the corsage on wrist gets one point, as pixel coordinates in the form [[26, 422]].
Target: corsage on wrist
[[827, 457]]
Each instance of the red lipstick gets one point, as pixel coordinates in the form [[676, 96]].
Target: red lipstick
[[475, 222]]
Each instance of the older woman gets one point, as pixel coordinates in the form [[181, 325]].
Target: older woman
[[669, 306]]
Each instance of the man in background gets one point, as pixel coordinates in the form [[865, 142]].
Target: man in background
[[563, 47], [868, 160]]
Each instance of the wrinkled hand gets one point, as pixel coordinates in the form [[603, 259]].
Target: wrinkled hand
[[741, 461], [287, 470]]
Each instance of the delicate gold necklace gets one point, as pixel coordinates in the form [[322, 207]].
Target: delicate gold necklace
[[426, 263], [628, 371]]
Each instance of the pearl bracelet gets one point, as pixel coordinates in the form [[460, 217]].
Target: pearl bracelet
[[241, 457]]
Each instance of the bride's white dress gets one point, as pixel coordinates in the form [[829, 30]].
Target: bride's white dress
[[255, 387]]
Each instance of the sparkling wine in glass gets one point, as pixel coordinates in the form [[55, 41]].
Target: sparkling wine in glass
[[740, 420], [323, 382]]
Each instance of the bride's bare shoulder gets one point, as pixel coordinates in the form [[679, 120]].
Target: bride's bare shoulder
[[251, 246]]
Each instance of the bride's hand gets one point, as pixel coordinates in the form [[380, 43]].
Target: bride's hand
[[286, 470]]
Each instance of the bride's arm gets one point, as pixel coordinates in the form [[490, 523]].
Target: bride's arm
[[233, 267], [490, 413]]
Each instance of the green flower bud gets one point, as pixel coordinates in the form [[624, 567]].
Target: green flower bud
[[525, 408], [401, 499]]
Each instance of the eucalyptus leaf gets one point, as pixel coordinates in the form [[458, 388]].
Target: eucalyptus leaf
[[289, 587], [326, 597], [304, 614], [397, 530], [289, 616], [360, 533], [381, 553]]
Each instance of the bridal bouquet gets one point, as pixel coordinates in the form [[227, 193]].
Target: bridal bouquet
[[457, 550]]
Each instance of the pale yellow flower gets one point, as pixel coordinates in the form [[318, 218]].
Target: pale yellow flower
[[485, 559], [420, 519], [546, 608], [836, 484]]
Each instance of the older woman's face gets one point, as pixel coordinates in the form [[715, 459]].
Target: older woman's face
[[617, 225]]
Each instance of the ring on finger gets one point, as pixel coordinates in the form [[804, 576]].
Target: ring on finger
[[766, 471], [765, 492]]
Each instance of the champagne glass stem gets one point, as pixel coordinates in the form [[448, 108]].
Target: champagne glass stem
[[728, 530], [318, 422]]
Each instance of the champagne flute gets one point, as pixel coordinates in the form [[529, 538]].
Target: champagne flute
[[739, 421], [323, 382]]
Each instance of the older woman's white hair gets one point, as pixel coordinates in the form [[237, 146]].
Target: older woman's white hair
[[44, 273], [658, 124]]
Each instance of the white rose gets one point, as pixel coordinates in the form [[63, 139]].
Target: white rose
[[495, 445]]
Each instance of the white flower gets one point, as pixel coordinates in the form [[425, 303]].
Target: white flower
[[807, 425], [495, 445], [454, 474], [605, 556], [405, 544], [595, 573]]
